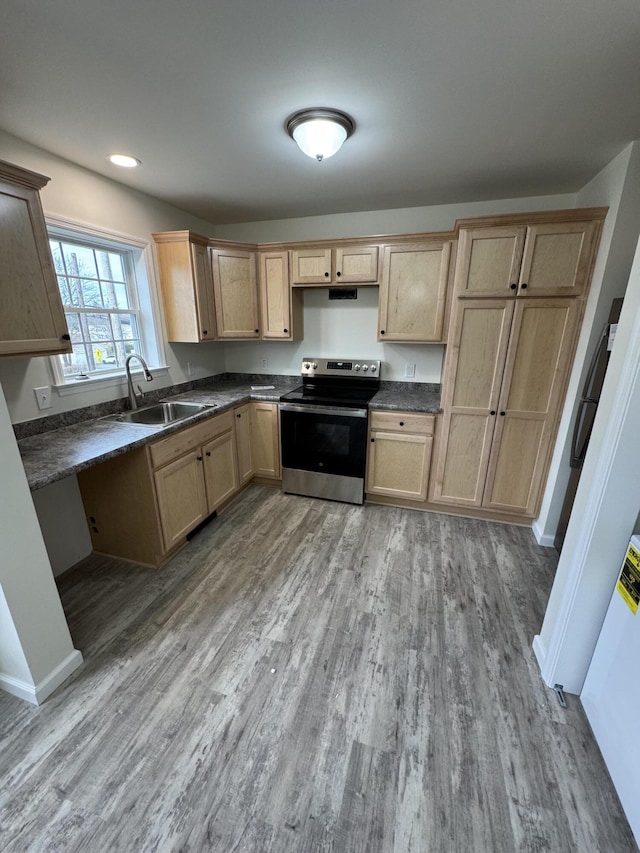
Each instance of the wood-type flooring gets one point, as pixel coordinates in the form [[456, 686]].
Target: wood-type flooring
[[305, 677]]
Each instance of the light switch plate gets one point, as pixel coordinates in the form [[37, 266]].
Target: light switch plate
[[43, 396], [409, 371]]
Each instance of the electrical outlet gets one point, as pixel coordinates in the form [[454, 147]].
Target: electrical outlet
[[409, 371], [190, 368], [43, 396], [263, 364]]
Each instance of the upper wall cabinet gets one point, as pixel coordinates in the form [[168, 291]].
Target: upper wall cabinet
[[280, 306], [187, 286], [236, 292], [32, 320], [547, 259], [413, 291], [339, 265]]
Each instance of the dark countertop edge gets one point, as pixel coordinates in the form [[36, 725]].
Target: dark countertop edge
[[237, 398]]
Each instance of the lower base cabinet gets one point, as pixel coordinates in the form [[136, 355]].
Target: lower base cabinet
[[140, 506], [399, 454]]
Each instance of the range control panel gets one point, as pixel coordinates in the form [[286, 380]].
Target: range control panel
[[360, 367]]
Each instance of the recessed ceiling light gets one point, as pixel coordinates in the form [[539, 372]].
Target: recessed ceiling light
[[125, 160]]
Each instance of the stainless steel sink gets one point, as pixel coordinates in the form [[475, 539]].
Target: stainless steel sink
[[158, 415]]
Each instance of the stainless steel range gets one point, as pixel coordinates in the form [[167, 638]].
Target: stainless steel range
[[323, 427]]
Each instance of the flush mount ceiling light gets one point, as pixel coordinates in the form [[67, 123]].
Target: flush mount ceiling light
[[319, 133], [125, 160]]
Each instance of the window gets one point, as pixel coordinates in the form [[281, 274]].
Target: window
[[107, 304]]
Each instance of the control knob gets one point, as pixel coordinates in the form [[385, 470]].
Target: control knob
[[307, 365], [315, 365], [373, 368], [365, 367], [356, 367]]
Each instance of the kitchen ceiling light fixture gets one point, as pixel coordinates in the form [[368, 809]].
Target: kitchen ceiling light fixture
[[124, 160], [320, 132]]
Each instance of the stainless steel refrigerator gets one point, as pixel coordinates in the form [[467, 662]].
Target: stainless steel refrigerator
[[586, 414]]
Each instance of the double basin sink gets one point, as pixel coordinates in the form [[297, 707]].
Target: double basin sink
[[158, 415]]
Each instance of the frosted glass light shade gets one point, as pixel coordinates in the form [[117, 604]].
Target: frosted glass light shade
[[320, 133]]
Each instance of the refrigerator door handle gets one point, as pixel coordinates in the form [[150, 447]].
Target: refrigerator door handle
[[578, 453]]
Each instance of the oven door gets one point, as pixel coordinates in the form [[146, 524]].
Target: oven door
[[324, 451]]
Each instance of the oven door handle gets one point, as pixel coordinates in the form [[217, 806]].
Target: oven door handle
[[323, 410]]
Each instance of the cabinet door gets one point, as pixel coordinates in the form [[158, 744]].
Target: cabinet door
[[265, 440], [472, 379], [32, 320], [413, 289], [275, 295], [220, 471], [182, 502], [398, 465], [311, 266], [536, 370], [204, 292], [488, 261], [359, 263], [236, 293], [243, 442], [557, 259]]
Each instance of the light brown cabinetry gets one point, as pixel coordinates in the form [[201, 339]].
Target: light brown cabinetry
[[265, 440], [236, 292], [338, 265], [141, 505], [242, 416], [32, 320], [399, 454], [504, 381], [280, 306], [413, 291], [187, 286], [545, 259]]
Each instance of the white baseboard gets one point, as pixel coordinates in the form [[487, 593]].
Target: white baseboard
[[544, 539], [37, 693]]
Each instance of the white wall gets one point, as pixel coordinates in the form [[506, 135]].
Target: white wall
[[618, 187], [345, 328], [604, 516], [35, 645], [77, 194]]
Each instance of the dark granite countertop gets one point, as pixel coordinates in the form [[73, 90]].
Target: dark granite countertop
[[408, 397], [52, 455]]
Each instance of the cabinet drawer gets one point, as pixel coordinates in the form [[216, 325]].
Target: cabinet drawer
[[402, 422], [170, 448]]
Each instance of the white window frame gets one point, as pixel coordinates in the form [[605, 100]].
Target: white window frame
[[141, 259]]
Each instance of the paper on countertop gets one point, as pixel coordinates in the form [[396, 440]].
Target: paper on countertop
[[263, 387]]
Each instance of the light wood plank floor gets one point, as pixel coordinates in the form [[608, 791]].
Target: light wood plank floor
[[310, 676]]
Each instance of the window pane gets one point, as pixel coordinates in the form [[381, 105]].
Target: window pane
[[91, 294], [110, 265], [75, 362], [80, 260], [114, 295], [75, 330], [98, 327], [56, 253], [65, 293]]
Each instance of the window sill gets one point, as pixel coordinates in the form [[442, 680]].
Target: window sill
[[111, 381]]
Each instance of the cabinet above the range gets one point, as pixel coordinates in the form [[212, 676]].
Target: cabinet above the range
[[334, 265]]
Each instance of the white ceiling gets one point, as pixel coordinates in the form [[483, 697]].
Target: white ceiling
[[454, 100]]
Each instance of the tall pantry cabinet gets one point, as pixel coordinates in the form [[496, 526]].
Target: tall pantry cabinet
[[519, 293]]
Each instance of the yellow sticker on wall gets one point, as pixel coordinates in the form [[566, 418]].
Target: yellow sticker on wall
[[629, 581]]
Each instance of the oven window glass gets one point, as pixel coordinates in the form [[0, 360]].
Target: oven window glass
[[332, 444]]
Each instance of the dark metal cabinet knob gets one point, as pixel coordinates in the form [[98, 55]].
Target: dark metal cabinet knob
[[513, 286], [205, 332], [208, 453], [66, 337], [492, 412], [286, 331], [199, 458], [257, 331], [372, 440], [382, 331], [338, 274], [523, 287], [238, 416], [503, 414], [401, 423]]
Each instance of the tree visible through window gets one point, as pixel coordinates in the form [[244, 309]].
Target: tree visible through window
[[96, 285]]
